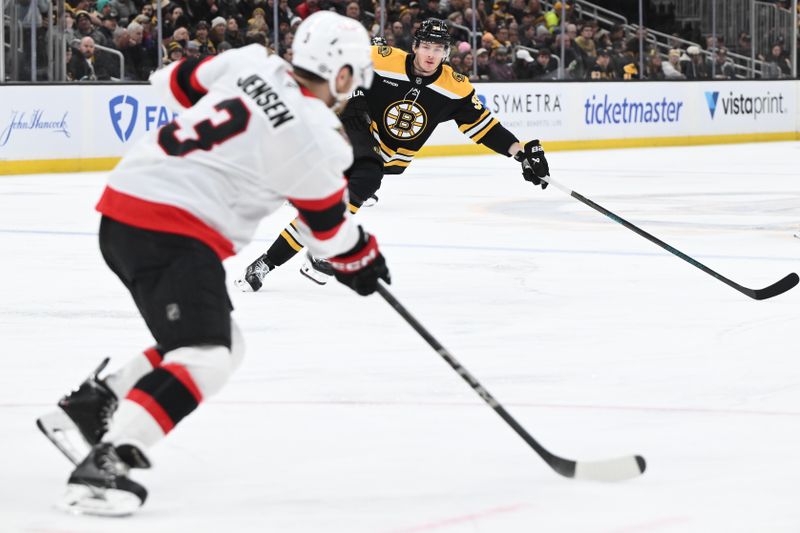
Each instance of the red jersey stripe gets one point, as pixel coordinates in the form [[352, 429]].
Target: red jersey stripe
[[153, 408], [176, 89], [320, 204], [154, 357], [154, 216], [194, 82], [182, 374], [325, 235]]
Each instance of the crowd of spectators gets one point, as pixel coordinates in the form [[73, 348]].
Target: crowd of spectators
[[516, 39]]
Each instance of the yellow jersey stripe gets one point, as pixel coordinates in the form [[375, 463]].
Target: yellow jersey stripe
[[353, 209], [465, 127], [477, 137], [397, 163], [293, 243]]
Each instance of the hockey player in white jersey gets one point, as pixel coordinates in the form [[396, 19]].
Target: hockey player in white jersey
[[253, 132]]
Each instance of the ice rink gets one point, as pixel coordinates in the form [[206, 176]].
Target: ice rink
[[342, 420]]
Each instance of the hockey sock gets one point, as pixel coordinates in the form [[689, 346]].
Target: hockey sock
[[285, 246], [167, 394], [123, 379]]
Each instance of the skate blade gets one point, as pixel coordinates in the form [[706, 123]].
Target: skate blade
[[242, 285], [314, 275], [93, 501], [64, 435]]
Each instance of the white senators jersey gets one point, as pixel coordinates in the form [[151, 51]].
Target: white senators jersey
[[247, 138]]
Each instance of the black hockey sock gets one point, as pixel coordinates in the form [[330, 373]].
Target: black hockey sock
[[288, 244], [285, 246]]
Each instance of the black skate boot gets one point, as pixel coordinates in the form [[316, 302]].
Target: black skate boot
[[100, 485], [317, 270], [254, 274], [89, 410]]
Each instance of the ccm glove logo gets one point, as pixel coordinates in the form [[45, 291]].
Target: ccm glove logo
[[354, 264]]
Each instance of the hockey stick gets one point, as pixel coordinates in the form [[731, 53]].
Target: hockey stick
[[779, 287], [618, 469]]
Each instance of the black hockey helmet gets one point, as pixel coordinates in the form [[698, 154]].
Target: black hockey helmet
[[433, 31]]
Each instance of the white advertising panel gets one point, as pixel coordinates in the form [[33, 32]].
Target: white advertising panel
[[68, 123], [619, 110]]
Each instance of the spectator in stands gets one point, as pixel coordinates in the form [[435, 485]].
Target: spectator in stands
[[181, 36], [402, 39], [224, 46], [501, 36], [126, 9], [353, 11], [457, 34], [466, 64], [140, 62], [654, 70], [523, 64], [86, 66], [482, 59], [217, 35], [723, 66], [109, 27], [602, 68], [499, 68], [232, 33], [545, 67], [527, 38], [175, 19], [306, 8], [586, 42], [780, 65], [204, 44], [573, 61], [743, 44], [174, 52], [697, 68], [85, 28], [672, 68], [432, 10], [193, 50]]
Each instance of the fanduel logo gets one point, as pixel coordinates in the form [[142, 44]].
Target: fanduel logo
[[745, 105], [711, 100], [115, 106], [123, 110]]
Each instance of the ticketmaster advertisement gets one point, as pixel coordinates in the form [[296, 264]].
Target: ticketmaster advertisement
[[67, 125]]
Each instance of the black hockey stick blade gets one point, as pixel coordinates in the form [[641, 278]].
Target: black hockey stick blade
[[618, 469], [779, 287], [757, 294]]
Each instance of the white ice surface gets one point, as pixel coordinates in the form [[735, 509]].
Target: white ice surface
[[342, 419]]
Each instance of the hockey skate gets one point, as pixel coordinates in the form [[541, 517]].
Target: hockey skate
[[255, 274], [100, 485], [317, 270], [83, 418]]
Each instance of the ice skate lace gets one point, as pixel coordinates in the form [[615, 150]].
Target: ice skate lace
[[259, 268], [106, 411], [111, 466]]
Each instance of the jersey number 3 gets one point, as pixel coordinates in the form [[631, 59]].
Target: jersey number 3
[[208, 134]]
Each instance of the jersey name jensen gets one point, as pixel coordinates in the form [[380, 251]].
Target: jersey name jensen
[[266, 98]]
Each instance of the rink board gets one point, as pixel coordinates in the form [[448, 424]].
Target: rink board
[[89, 127]]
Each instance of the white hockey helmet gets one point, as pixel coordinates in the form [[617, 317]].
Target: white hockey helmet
[[325, 42]]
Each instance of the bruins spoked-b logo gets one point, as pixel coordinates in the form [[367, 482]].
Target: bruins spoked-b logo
[[404, 120]]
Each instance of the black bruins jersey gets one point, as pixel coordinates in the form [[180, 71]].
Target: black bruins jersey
[[406, 108]]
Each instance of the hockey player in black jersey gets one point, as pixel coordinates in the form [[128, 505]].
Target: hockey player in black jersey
[[410, 95]]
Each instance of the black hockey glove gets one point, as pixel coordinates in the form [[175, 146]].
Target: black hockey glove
[[362, 266], [534, 164], [379, 41]]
